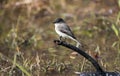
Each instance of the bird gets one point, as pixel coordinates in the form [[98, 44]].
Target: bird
[[64, 31]]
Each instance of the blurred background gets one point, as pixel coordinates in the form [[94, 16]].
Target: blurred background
[[27, 34]]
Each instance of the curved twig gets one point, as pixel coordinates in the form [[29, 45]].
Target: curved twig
[[88, 57]]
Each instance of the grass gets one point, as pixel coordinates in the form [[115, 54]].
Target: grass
[[27, 34]]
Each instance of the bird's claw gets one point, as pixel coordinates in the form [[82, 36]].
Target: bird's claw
[[59, 42]]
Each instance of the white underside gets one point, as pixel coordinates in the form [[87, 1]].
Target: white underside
[[62, 34], [65, 35]]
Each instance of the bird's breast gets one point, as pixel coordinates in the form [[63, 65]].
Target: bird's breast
[[57, 29]]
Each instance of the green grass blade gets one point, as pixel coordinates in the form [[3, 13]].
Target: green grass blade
[[115, 30]]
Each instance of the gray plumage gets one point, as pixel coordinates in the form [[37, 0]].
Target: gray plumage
[[63, 30]]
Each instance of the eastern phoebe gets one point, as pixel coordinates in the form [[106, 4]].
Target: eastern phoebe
[[63, 30]]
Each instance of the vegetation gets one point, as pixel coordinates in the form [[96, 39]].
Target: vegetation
[[27, 34]]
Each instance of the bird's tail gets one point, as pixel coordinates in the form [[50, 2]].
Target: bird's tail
[[78, 43]]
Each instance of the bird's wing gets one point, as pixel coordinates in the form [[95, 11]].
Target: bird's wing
[[65, 29]]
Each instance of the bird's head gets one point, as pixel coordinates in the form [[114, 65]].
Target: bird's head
[[59, 20]]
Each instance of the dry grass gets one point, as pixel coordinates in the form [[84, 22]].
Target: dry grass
[[27, 34]]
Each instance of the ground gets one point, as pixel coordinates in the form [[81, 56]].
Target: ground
[[27, 34]]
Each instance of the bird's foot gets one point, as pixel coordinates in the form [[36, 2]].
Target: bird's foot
[[59, 42]]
